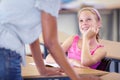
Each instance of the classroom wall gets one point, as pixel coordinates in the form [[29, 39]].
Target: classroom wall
[[67, 22]]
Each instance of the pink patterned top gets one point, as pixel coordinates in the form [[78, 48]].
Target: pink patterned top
[[75, 53]]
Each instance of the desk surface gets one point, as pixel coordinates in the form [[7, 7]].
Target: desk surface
[[111, 76], [30, 71]]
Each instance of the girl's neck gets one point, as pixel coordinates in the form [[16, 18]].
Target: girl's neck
[[93, 42]]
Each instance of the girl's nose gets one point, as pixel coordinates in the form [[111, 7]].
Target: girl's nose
[[84, 22]]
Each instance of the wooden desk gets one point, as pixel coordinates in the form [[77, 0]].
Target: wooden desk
[[111, 76], [30, 71]]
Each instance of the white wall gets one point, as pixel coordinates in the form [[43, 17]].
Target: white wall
[[68, 23]]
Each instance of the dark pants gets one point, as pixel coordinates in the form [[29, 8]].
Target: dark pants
[[10, 68]]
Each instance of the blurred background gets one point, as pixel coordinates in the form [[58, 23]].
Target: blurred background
[[109, 10]]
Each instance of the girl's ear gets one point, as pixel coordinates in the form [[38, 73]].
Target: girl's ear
[[99, 24]]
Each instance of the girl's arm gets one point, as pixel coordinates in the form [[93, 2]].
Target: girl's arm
[[65, 46], [86, 58]]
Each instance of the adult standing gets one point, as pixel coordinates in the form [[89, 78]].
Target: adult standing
[[21, 22]]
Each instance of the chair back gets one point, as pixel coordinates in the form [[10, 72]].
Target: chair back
[[112, 48], [105, 64]]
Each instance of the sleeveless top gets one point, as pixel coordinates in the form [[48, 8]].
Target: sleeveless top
[[75, 53]]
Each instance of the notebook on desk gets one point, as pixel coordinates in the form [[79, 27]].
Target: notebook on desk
[[47, 64]]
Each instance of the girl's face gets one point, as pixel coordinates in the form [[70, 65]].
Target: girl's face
[[86, 20]]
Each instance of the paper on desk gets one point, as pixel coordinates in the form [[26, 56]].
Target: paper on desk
[[48, 64]]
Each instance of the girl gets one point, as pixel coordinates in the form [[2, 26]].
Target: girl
[[85, 50]]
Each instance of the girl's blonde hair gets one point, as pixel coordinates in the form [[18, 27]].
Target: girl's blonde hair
[[92, 10], [95, 12]]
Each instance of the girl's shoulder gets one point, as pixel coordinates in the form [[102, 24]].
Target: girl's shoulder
[[74, 37], [100, 48], [77, 37]]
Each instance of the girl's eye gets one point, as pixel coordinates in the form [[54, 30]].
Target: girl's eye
[[88, 19], [81, 20]]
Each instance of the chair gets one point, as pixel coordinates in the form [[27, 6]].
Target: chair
[[105, 64], [113, 51]]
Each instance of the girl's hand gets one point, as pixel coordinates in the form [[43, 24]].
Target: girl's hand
[[90, 33], [76, 63]]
